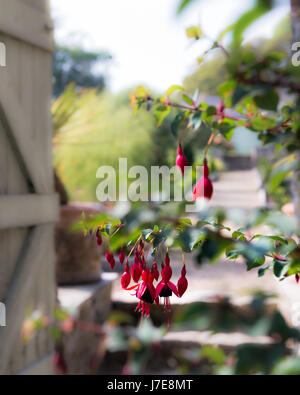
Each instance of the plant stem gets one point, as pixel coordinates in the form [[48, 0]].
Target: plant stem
[[210, 141], [133, 248]]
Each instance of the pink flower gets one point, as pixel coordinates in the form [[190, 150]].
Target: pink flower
[[166, 288], [204, 187], [146, 293], [181, 160]]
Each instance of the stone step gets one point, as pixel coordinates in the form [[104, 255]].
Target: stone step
[[91, 304]]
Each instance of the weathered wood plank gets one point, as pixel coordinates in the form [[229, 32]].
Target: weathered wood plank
[[26, 23], [28, 210], [23, 281], [16, 125]]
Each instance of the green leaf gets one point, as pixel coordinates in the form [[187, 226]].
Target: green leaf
[[279, 268], [188, 100], [260, 8], [177, 122], [239, 93], [262, 124], [268, 100], [196, 120], [161, 113], [183, 5], [214, 354], [194, 32], [173, 89], [146, 233]]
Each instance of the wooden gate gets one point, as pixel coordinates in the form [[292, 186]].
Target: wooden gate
[[28, 205]]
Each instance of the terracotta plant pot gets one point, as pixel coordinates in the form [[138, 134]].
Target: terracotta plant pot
[[78, 257]]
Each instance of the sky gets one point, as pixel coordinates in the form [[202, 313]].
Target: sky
[[146, 38]]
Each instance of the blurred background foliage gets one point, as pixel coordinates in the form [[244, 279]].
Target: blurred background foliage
[[98, 125]]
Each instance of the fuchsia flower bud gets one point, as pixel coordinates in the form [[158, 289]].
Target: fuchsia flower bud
[[126, 278], [204, 187], [182, 282], [110, 259], [99, 238], [166, 272], [154, 271], [136, 270], [297, 278], [181, 160], [122, 256], [221, 108]]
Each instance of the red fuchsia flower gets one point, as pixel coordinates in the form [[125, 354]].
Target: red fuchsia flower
[[181, 160], [110, 259], [136, 270], [204, 187], [122, 256], [297, 278], [182, 282], [166, 288], [146, 293], [126, 278]]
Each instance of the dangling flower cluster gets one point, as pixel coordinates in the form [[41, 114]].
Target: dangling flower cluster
[[144, 277]]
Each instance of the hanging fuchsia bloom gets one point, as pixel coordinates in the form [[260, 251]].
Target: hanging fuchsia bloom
[[122, 256], [182, 282], [126, 278], [110, 259], [204, 187], [297, 278], [181, 160], [136, 270], [166, 288], [146, 293]]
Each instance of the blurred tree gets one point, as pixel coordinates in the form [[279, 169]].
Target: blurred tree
[[78, 66]]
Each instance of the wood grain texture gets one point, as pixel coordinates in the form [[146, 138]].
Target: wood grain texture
[[27, 23], [28, 210], [28, 204]]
